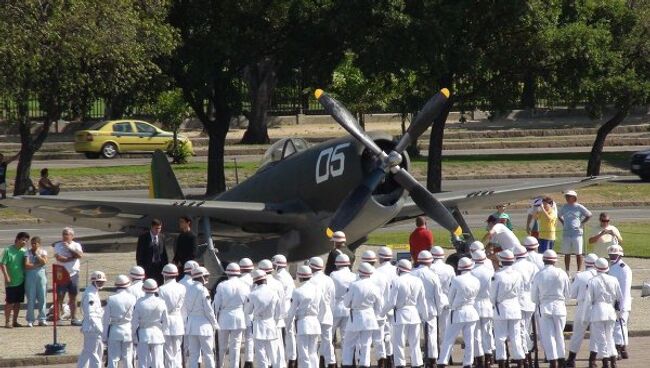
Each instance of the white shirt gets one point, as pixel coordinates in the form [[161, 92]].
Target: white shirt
[[528, 270], [326, 286], [92, 309], [407, 301], [61, 249], [365, 303], [136, 289], [445, 273], [279, 289], [265, 306], [504, 293], [306, 305], [229, 302], [173, 294], [623, 274], [436, 301], [200, 316], [550, 291], [536, 258], [149, 316], [503, 237], [288, 284], [118, 314], [578, 291], [462, 297], [603, 292], [484, 275], [342, 279]]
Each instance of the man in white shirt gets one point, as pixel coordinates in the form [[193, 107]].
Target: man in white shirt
[[623, 274], [173, 294], [499, 236], [93, 350], [264, 304], [118, 314], [149, 317], [283, 275], [605, 235], [306, 305], [67, 253], [581, 319], [228, 306]]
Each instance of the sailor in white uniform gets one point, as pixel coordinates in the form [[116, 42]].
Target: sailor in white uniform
[[445, 273], [187, 271], [246, 267], [282, 275], [136, 274], [435, 303], [149, 317], [306, 306], [623, 274], [484, 337], [201, 322], [278, 344], [173, 294], [92, 351], [228, 306], [266, 307], [326, 286], [476, 246], [578, 291], [532, 244], [387, 269], [528, 270], [118, 314], [342, 278], [383, 283]]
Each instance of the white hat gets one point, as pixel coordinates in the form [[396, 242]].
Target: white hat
[[369, 256], [550, 255], [590, 260], [615, 249], [465, 264], [506, 255], [265, 265], [520, 251], [136, 273], [97, 276], [200, 272], [425, 257], [150, 286], [342, 260], [122, 281], [537, 201], [479, 255], [571, 193], [233, 269], [385, 253], [476, 245], [338, 237], [366, 269], [304, 272], [602, 265], [245, 264], [437, 252], [258, 275], [170, 270], [530, 242], [189, 266], [316, 263], [404, 265], [279, 260]]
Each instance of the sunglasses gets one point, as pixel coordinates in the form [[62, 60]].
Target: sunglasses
[[604, 220]]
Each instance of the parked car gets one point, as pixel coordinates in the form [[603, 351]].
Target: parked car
[[112, 137], [640, 164]]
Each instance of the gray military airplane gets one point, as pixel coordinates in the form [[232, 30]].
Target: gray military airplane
[[356, 183]]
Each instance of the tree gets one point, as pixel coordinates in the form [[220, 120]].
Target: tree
[[170, 109]]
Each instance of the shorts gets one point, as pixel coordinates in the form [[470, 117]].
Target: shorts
[[572, 245], [15, 294], [71, 287], [545, 244], [3, 186]]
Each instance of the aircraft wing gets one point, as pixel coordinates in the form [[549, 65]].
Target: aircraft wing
[[484, 198]]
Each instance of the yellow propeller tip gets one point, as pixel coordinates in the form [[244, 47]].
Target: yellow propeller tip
[[458, 231], [319, 92], [329, 231], [445, 92]]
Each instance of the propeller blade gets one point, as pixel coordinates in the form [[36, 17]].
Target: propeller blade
[[424, 119], [427, 202], [354, 202], [346, 120]]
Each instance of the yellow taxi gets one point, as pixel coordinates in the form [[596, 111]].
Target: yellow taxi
[[112, 137]]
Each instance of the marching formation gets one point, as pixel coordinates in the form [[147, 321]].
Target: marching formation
[[261, 317]]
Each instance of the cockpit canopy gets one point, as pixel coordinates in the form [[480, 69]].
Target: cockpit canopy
[[282, 149]]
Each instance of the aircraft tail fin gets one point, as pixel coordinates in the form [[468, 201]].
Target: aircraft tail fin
[[162, 181]]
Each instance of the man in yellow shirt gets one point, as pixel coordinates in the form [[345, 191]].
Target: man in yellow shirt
[[546, 217]]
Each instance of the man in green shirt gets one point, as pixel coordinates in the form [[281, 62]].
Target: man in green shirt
[[13, 270]]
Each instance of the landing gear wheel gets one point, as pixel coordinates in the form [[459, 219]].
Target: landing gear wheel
[[91, 155], [109, 150]]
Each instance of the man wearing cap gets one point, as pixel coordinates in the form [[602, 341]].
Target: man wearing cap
[[603, 293], [118, 314], [436, 302], [264, 304], [573, 216], [409, 306], [528, 270], [278, 344], [149, 317], [338, 239], [246, 268], [173, 294], [420, 239], [484, 341], [477, 245], [534, 256], [136, 274], [326, 287], [503, 217], [578, 291], [623, 274], [550, 291], [201, 321], [463, 316], [498, 236], [283, 276], [306, 306], [383, 284], [505, 292], [389, 272], [364, 302], [228, 306], [445, 273], [92, 351], [342, 279], [187, 281]]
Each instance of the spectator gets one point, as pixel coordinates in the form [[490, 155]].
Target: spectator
[[532, 226], [36, 282], [151, 253], [339, 239], [185, 249], [4, 162], [546, 217], [604, 236], [573, 216], [45, 185], [503, 217], [67, 253], [421, 238], [498, 237], [13, 271]]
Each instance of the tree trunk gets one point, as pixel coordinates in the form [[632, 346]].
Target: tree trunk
[[595, 158], [28, 147], [261, 79], [528, 97], [217, 131], [115, 107], [434, 161]]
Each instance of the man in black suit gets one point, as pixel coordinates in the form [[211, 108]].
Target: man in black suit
[[151, 253]]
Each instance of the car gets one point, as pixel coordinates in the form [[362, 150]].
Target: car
[[640, 164], [112, 137]]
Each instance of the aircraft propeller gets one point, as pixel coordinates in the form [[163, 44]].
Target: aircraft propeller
[[389, 163]]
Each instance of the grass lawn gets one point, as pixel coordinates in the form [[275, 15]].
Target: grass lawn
[[635, 238]]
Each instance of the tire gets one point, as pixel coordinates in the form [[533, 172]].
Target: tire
[[91, 155], [109, 150]]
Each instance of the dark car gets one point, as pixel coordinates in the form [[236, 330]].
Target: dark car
[[640, 164]]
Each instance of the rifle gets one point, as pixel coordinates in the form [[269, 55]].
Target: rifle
[[534, 322]]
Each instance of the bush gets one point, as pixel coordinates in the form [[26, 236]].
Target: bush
[[180, 155]]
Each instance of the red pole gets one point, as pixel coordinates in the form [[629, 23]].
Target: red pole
[[56, 301]]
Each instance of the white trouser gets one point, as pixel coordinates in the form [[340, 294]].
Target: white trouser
[[265, 354], [249, 345], [508, 329], [620, 329], [290, 341], [278, 346], [201, 346], [150, 355], [432, 338], [402, 334], [326, 348], [387, 336], [452, 331], [230, 341], [339, 324], [551, 331], [120, 351], [483, 337], [92, 351], [527, 329], [379, 341], [579, 329], [602, 334], [307, 350], [172, 352], [359, 340]]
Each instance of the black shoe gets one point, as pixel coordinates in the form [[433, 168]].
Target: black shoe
[[248, 364], [624, 354], [571, 362]]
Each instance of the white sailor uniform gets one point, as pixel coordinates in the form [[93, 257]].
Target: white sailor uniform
[[623, 274], [200, 326], [326, 285], [528, 270], [149, 317], [228, 306], [582, 317], [91, 327], [602, 293], [549, 292], [505, 292], [173, 294], [436, 302], [306, 306], [287, 282], [265, 306], [483, 334], [365, 303]]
